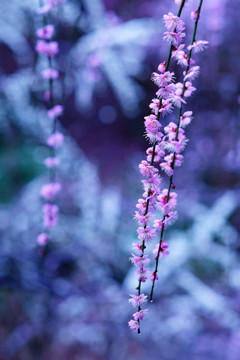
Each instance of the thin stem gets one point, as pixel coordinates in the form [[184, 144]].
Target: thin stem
[[174, 154], [143, 246]]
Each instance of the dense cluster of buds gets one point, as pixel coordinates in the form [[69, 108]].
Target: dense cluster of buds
[[164, 154], [49, 49]]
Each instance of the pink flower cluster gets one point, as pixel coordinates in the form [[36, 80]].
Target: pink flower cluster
[[49, 48], [165, 153]]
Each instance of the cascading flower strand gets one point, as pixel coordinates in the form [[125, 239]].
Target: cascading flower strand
[[166, 151], [175, 139], [160, 106], [49, 49]]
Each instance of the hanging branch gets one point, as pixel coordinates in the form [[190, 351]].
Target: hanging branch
[[49, 48]]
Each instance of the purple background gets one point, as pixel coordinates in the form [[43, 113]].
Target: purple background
[[71, 302]]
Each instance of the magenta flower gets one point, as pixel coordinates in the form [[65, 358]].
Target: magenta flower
[[146, 169], [140, 261], [42, 239], [49, 191], [46, 32], [194, 14], [163, 249], [145, 233], [162, 67], [137, 300], [174, 38], [55, 112], [198, 46], [47, 48], [137, 247], [163, 79], [158, 153], [143, 219], [154, 276], [55, 140], [173, 22], [134, 325], [192, 73], [50, 74], [50, 215], [140, 314], [155, 106], [186, 118], [142, 205]]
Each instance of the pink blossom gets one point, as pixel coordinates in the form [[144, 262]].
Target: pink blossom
[[188, 89], [186, 118], [179, 89], [151, 194], [51, 162], [166, 201], [194, 14], [166, 91], [134, 325], [56, 111], [198, 46], [151, 124], [173, 22], [162, 67], [145, 233], [146, 169], [55, 140], [142, 205], [171, 130], [137, 247], [154, 105], [50, 215], [50, 74], [143, 219], [177, 100], [137, 300], [154, 136], [177, 159], [42, 239], [47, 48], [162, 79], [46, 32], [142, 274], [166, 106], [140, 261], [174, 38], [177, 145], [151, 183], [158, 153], [154, 276], [163, 249], [170, 218], [182, 58], [140, 314], [158, 224], [192, 73], [167, 168], [49, 191]]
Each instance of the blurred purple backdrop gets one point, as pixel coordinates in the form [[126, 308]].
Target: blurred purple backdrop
[[72, 302]]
